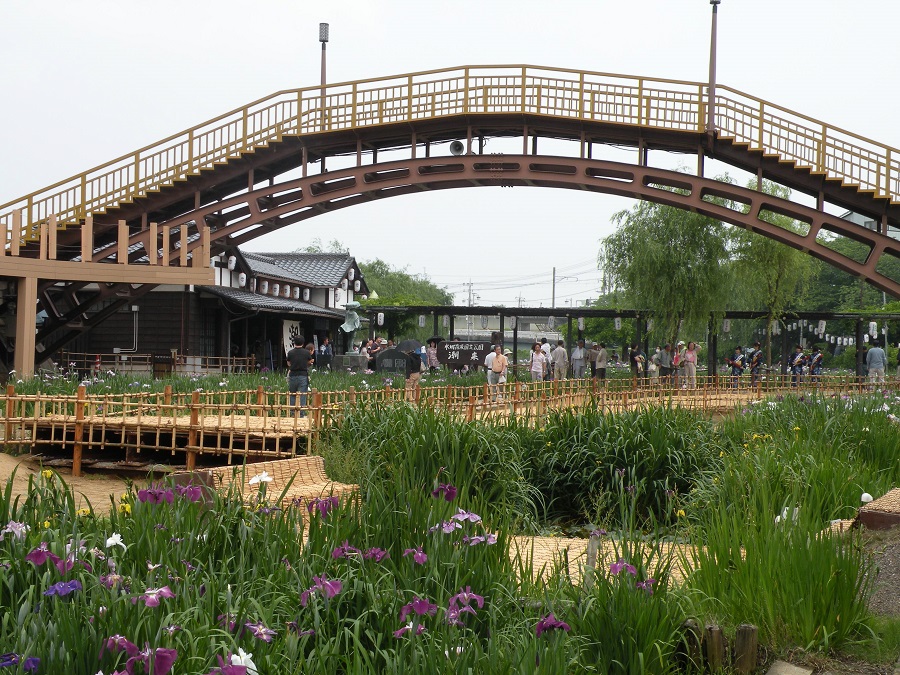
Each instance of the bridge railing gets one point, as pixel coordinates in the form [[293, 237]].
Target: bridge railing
[[472, 90]]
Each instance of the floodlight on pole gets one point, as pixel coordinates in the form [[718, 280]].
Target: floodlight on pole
[[323, 38]]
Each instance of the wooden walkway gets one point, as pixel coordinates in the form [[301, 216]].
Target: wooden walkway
[[261, 425]]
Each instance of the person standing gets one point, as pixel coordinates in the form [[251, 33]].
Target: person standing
[[756, 361], [665, 365], [326, 353], [298, 360], [431, 356], [592, 358], [497, 371], [638, 363], [579, 355], [560, 359], [815, 364], [602, 361], [545, 348], [876, 360], [738, 362], [678, 364], [538, 365], [690, 365], [413, 374], [796, 361]]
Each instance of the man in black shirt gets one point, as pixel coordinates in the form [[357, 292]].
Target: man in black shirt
[[298, 360]]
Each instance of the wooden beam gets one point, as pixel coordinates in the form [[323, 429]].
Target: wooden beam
[[26, 321], [166, 244], [15, 238], [153, 248], [122, 250], [42, 251], [87, 239], [182, 252], [51, 237], [64, 270]]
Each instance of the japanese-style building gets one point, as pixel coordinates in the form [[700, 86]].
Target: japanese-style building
[[259, 302]]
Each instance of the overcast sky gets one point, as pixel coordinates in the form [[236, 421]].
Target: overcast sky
[[84, 82]]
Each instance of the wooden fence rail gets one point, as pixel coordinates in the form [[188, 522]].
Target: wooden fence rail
[[265, 424]]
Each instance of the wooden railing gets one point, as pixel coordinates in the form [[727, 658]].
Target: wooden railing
[[674, 105], [181, 364], [268, 424]]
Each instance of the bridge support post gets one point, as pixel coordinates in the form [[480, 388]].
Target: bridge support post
[[26, 318], [860, 339]]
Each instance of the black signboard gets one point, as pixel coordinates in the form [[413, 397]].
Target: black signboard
[[391, 361], [455, 355]]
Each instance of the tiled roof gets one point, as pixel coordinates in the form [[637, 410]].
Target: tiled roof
[[267, 303], [323, 270]]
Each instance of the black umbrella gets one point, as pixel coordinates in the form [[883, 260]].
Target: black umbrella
[[435, 338], [409, 345]]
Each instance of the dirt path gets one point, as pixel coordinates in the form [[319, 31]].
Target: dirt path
[[93, 488]]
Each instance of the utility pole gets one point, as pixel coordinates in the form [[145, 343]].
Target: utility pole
[[711, 104], [553, 298]]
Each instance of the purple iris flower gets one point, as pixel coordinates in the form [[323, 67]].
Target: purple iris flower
[[445, 490], [376, 554], [324, 506], [618, 566], [31, 664], [227, 621], [462, 516], [646, 585], [259, 631], [418, 556], [550, 623], [402, 631], [294, 628], [225, 667], [345, 550], [474, 540], [42, 554], [324, 587], [17, 530], [157, 661], [193, 493], [9, 659], [420, 606], [454, 612], [152, 596], [446, 527], [598, 533], [62, 588], [156, 495], [464, 597]]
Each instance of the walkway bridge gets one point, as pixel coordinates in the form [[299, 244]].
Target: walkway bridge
[[159, 213]]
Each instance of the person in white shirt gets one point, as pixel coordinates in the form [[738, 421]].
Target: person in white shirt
[[545, 348], [560, 359], [578, 360], [602, 361], [538, 365]]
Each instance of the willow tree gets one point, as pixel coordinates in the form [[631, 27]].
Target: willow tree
[[773, 276], [669, 261]]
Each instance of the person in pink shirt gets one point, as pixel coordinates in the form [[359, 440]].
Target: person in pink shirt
[[690, 365]]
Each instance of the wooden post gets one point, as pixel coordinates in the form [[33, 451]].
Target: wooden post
[[693, 648], [486, 396], [317, 409], [470, 412], [167, 395], [517, 396], [260, 395], [745, 646], [715, 649], [79, 431], [10, 411], [590, 571], [352, 395], [193, 433]]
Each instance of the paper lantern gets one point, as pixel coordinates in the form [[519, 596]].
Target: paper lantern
[[242, 279], [351, 274], [296, 292], [356, 285], [276, 288], [232, 262], [305, 295], [581, 323], [264, 286], [287, 291], [379, 319], [484, 322], [344, 284], [421, 321], [726, 326], [617, 322]]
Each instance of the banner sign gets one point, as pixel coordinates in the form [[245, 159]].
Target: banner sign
[[455, 355]]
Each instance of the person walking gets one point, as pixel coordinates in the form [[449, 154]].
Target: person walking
[[413, 375], [299, 359], [876, 360], [653, 367], [537, 365], [638, 363], [592, 358], [545, 347]]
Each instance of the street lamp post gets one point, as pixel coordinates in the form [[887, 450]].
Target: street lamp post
[[711, 103], [323, 38]]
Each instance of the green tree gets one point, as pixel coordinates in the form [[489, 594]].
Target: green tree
[[669, 261], [397, 287], [771, 275]]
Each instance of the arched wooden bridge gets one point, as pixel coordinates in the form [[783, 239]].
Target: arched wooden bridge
[[83, 247]]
